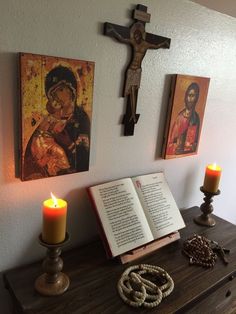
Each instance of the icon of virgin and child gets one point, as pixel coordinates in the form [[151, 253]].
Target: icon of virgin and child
[[60, 143]]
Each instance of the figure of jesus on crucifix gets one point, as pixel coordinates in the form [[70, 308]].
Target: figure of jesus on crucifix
[[140, 42]]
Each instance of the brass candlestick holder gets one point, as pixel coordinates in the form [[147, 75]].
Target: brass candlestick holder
[[53, 281], [207, 208]]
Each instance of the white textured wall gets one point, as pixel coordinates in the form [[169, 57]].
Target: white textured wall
[[203, 42]]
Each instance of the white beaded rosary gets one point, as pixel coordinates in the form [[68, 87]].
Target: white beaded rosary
[[136, 290]]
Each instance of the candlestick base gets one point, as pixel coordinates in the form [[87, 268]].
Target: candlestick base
[[207, 208], [53, 282]]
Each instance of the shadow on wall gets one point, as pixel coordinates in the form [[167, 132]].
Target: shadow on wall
[[9, 117], [189, 183], [163, 116], [81, 222], [5, 303]]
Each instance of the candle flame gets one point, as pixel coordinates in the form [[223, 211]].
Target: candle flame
[[214, 166], [54, 200]]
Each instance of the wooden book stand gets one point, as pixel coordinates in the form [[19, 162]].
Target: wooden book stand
[[148, 248]]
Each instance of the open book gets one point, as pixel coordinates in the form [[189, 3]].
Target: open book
[[135, 211]]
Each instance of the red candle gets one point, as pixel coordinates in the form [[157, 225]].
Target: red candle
[[212, 178], [54, 220]]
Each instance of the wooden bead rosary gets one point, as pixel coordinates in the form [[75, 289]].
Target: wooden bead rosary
[[203, 252], [144, 285]]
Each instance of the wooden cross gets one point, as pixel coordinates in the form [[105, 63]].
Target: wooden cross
[[140, 41]]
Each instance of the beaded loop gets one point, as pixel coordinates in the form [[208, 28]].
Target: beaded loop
[[198, 249], [136, 290]]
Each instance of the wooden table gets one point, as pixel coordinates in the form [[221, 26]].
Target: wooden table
[[94, 279]]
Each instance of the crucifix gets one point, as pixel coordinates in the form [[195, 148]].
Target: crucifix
[[140, 42]]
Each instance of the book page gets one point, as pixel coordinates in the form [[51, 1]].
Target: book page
[[158, 204], [121, 215]]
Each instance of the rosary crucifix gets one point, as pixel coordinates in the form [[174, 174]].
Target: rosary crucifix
[[140, 41]]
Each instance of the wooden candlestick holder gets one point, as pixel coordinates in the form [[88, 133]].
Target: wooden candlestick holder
[[53, 281], [207, 208]]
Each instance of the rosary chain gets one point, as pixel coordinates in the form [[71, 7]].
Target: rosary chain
[[136, 290]]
